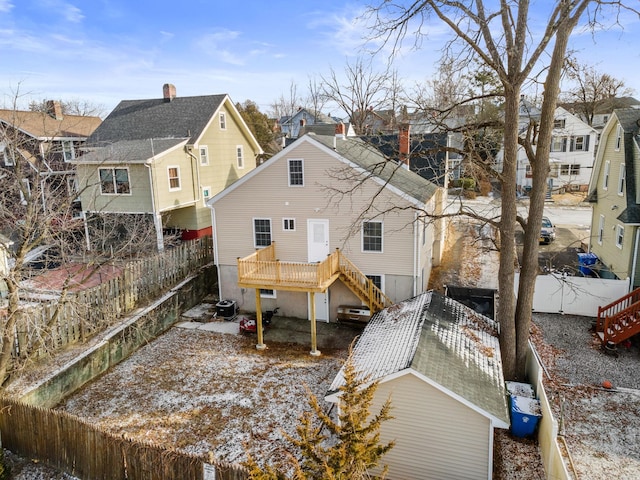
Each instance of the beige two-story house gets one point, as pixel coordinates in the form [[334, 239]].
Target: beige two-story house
[[163, 158], [323, 218], [615, 197]]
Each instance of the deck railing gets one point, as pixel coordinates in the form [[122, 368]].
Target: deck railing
[[262, 269], [620, 320]]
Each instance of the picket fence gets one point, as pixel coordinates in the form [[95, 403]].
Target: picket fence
[[77, 315]]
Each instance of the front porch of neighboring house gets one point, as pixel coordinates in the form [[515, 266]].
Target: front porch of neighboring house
[[263, 270]]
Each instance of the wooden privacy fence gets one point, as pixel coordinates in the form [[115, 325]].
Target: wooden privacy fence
[[78, 315], [73, 445]]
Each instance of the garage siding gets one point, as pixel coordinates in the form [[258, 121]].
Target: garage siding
[[436, 436]]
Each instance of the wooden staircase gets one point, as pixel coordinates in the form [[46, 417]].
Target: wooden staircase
[[619, 320], [362, 286]]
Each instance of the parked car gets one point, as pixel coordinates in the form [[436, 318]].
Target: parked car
[[547, 231]]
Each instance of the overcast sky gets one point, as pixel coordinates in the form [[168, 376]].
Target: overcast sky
[[104, 51]]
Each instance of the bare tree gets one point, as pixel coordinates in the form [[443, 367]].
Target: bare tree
[[315, 98], [591, 89], [74, 106], [500, 36], [358, 91], [288, 104]]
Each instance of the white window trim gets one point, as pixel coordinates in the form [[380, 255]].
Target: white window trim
[[179, 187], [268, 295], [284, 224], [253, 226], [382, 282], [381, 237], [203, 149], [607, 171], [222, 118], [204, 197], [600, 229], [621, 179], [9, 161], [64, 151], [113, 172], [23, 199], [240, 156], [619, 244], [289, 171]]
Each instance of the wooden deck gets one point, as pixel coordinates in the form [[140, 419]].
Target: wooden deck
[[262, 270], [619, 320]]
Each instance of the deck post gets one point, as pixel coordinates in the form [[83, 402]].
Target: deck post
[[314, 351], [260, 345]]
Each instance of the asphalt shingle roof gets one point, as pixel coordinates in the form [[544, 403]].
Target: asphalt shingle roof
[[43, 125], [442, 340], [130, 150], [373, 161], [182, 117]]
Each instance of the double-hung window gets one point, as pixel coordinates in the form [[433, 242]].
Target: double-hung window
[[174, 178], [372, 236], [559, 123], [619, 236], [68, 152], [377, 280], [204, 155], [114, 181], [223, 121], [558, 144], [240, 156], [206, 194], [296, 173], [580, 143], [621, 179], [600, 229], [618, 137], [262, 232], [605, 179]]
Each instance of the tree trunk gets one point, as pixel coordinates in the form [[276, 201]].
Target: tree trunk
[[506, 277], [540, 172]]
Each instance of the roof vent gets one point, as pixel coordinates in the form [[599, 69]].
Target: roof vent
[[168, 92]]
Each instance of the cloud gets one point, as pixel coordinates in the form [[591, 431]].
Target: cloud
[[5, 5], [218, 45], [66, 10]]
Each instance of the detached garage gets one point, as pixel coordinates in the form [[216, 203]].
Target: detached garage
[[439, 361]]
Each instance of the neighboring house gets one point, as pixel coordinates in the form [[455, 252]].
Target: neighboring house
[[425, 154], [615, 197], [39, 147], [573, 147], [319, 199], [293, 126], [439, 364], [378, 121], [164, 158], [601, 111]]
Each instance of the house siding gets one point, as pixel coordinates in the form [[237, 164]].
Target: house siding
[[610, 205], [93, 201], [268, 195], [435, 435]]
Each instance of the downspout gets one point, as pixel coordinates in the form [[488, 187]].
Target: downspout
[[416, 252], [635, 259], [214, 232], [159, 237], [195, 182]]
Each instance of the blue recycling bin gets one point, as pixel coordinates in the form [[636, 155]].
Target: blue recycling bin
[[585, 260], [525, 414]]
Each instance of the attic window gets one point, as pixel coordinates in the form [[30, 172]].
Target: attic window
[[559, 123], [619, 138], [204, 156], [223, 121], [296, 173], [240, 156]]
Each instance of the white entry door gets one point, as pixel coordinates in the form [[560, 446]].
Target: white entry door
[[318, 249]]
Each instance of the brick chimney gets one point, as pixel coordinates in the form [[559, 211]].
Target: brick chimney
[[168, 92], [404, 142], [340, 131], [54, 109]]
